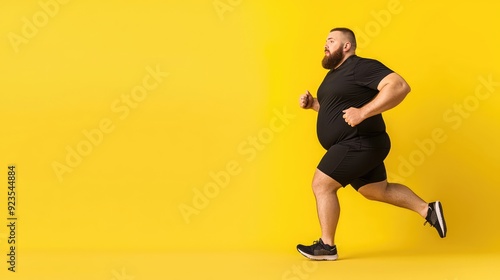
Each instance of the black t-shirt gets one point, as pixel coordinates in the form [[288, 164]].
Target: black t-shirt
[[352, 84]]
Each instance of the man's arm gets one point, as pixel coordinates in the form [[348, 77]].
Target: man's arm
[[307, 101], [392, 90]]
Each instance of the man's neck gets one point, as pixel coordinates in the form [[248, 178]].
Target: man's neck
[[345, 58]]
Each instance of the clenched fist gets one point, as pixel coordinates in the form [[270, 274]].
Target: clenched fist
[[307, 101]]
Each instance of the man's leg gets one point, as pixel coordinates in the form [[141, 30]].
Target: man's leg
[[327, 203], [402, 196], [395, 194]]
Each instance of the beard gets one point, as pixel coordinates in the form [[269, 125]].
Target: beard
[[333, 60]]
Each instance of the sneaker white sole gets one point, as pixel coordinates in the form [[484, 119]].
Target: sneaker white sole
[[439, 213], [320, 258]]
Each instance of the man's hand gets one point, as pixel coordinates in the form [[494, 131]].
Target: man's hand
[[353, 116], [392, 90], [307, 101]]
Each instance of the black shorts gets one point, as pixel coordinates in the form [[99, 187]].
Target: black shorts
[[357, 162]]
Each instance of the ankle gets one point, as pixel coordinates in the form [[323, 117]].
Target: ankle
[[425, 211], [328, 241]]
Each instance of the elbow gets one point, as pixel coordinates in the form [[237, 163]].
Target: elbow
[[405, 88]]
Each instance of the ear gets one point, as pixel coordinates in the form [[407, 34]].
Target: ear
[[347, 46]]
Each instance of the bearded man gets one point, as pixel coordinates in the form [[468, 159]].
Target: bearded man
[[350, 102]]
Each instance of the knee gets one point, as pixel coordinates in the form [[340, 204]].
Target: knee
[[317, 188], [323, 184], [320, 187]]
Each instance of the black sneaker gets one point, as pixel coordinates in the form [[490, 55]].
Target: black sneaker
[[435, 218], [319, 251]]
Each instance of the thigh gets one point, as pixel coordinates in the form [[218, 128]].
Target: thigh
[[376, 175], [346, 164]]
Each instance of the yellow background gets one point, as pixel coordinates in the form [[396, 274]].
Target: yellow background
[[226, 101]]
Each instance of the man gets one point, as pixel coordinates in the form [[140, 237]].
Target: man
[[350, 127]]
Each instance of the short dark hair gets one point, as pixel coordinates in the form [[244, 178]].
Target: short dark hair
[[348, 33]]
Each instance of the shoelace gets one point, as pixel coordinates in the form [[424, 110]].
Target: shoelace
[[322, 245], [317, 243], [431, 222]]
